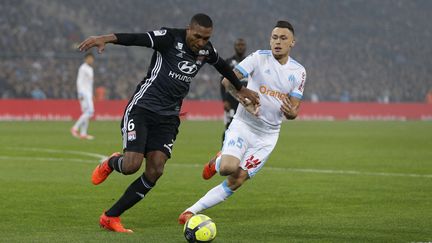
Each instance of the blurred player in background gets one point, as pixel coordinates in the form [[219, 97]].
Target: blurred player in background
[[253, 133], [85, 96], [230, 103], [151, 119]]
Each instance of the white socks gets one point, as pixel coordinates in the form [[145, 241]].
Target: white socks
[[218, 161], [82, 124], [213, 197]]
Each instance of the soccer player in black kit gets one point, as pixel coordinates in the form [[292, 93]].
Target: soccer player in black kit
[[230, 102], [151, 118]]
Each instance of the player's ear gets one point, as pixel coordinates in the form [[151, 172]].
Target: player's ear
[[292, 43]]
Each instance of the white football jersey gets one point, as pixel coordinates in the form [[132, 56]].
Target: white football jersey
[[273, 82], [85, 80]]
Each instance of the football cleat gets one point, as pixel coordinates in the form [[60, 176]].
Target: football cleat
[[102, 171], [184, 217], [74, 132], [209, 169], [112, 224]]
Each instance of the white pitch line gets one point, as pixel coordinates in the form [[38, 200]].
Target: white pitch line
[[58, 151], [47, 159], [349, 172], [277, 169]]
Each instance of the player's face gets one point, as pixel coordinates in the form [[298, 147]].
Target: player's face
[[281, 42], [90, 60], [197, 36], [240, 47]]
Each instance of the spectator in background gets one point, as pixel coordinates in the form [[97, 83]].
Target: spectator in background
[[345, 96], [100, 93], [382, 61], [38, 94], [314, 97], [429, 97], [85, 96]]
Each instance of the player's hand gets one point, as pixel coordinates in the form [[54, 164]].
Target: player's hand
[[244, 93], [250, 107], [98, 41], [288, 109]]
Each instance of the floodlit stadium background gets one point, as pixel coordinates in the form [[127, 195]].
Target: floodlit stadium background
[[352, 50]]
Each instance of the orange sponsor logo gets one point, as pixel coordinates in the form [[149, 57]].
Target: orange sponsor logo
[[273, 93]]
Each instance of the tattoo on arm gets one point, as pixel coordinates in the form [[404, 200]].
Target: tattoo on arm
[[229, 87]]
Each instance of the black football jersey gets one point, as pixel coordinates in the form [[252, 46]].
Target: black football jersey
[[172, 68], [226, 96]]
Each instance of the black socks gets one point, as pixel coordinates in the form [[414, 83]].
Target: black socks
[[116, 163], [133, 194]]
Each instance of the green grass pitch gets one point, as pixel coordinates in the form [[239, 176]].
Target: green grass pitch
[[325, 182]]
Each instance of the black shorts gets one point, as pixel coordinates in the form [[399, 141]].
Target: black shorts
[[145, 131]]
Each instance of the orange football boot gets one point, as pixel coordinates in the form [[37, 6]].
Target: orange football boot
[[102, 171], [112, 224], [184, 217], [209, 169]]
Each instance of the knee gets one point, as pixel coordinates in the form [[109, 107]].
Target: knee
[[155, 172], [155, 164], [131, 165], [227, 168], [89, 113]]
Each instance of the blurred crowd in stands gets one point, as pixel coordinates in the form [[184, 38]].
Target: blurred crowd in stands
[[353, 50]]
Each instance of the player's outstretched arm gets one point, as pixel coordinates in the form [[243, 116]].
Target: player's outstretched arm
[[290, 106], [97, 41], [248, 105], [243, 93]]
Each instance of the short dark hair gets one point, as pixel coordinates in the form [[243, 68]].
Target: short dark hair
[[239, 40], [202, 19], [285, 24], [88, 54]]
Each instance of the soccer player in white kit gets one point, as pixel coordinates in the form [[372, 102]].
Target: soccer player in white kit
[[85, 96], [254, 132]]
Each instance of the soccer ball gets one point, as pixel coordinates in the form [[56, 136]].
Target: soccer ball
[[199, 228]]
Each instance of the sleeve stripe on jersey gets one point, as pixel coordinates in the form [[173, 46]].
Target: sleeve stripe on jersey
[[152, 43], [242, 70], [297, 95]]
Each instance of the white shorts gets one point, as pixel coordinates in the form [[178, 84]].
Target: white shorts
[[86, 102], [251, 146]]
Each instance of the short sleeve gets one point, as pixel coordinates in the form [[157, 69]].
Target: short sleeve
[[300, 81], [157, 39], [160, 39], [248, 65]]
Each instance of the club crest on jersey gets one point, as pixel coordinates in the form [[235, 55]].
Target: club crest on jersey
[[187, 67], [179, 46], [131, 136], [292, 78], [203, 52]]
